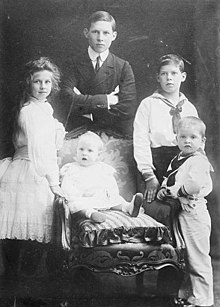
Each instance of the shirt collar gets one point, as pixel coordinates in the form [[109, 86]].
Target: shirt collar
[[157, 94], [35, 100], [93, 55]]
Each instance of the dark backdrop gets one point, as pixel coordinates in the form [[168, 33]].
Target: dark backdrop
[[146, 30]]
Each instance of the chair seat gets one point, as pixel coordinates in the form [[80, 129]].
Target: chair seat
[[119, 227]]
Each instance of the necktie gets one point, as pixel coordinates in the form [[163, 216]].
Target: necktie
[[97, 65], [175, 112]]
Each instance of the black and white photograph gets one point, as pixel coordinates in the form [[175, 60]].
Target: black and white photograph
[[109, 153]]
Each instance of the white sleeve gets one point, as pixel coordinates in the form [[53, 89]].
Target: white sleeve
[[60, 134], [142, 144], [41, 145]]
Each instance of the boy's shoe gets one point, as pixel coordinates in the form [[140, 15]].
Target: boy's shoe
[[180, 302], [136, 204], [97, 217]]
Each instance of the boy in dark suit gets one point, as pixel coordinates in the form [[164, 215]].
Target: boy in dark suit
[[99, 88]]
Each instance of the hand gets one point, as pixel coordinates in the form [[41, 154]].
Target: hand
[[162, 194], [57, 191], [186, 204], [172, 191], [151, 188]]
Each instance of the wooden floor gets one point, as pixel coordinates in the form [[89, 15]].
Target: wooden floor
[[83, 289]]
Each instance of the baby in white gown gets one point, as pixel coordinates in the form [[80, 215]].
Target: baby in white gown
[[89, 185]]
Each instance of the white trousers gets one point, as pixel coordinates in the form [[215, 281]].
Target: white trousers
[[196, 229]]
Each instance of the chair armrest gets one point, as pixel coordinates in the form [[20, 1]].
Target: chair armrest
[[167, 214], [64, 216]]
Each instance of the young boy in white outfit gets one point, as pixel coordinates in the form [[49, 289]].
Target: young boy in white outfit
[[155, 123], [89, 185], [188, 180]]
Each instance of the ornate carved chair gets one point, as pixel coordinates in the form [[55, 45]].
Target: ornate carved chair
[[122, 245]]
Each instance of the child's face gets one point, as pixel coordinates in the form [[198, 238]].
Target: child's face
[[87, 152], [100, 35], [189, 139], [41, 84], [170, 78]]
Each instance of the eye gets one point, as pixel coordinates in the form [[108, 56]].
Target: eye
[[48, 81]]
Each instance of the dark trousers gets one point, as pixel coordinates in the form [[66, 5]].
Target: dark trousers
[[168, 280]]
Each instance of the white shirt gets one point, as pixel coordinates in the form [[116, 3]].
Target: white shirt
[[153, 128], [93, 56]]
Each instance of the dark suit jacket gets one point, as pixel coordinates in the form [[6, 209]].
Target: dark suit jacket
[[94, 88]]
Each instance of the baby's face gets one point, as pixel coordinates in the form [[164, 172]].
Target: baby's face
[[87, 153], [189, 139]]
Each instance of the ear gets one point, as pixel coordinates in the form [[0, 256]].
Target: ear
[[184, 74], [100, 155], [157, 77], [85, 32], [176, 138], [114, 35]]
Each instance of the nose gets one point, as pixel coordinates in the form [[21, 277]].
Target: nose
[[169, 76], [42, 85], [100, 37], [187, 140]]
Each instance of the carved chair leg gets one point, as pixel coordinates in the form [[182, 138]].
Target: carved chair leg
[[140, 283]]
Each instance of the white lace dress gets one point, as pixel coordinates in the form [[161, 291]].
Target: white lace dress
[[26, 202]]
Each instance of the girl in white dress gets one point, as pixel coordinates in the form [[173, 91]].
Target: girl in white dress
[[30, 179], [89, 184]]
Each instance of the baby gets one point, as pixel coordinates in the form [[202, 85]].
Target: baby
[[89, 185]]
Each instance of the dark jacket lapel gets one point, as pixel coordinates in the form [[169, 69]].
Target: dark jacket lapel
[[93, 79]]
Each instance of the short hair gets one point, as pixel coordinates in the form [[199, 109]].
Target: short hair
[[170, 59], [192, 121], [102, 16], [92, 137]]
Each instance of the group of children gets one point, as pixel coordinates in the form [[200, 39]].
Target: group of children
[[167, 135]]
